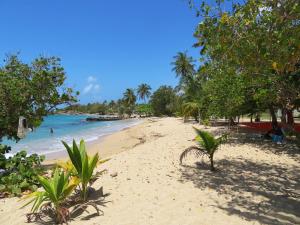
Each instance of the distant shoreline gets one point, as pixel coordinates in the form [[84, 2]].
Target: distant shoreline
[[104, 143]]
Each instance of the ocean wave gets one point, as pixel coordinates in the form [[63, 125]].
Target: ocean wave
[[43, 143]]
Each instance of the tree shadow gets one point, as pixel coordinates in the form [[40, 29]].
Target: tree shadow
[[240, 136], [96, 198], [254, 191]]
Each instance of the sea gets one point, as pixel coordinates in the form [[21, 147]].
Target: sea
[[66, 128]]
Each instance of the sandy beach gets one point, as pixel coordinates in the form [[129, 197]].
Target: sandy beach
[[256, 182]]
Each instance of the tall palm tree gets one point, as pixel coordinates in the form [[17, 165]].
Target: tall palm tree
[[183, 67], [144, 91], [207, 145], [129, 97]]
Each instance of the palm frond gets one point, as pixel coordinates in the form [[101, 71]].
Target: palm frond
[[193, 149], [206, 139], [208, 145], [190, 108], [84, 164], [223, 139]]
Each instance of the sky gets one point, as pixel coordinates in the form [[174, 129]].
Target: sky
[[105, 46]]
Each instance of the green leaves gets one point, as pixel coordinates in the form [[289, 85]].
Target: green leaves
[[251, 50], [30, 90], [56, 190], [164, 101], [183, 67], [144, 91], [83, 164], [21, 172], [207, 145]]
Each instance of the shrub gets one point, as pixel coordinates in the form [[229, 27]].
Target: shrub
[[84, 165], [164, 101], [20, 173], [206, 123], [56, 190], [207, 145]]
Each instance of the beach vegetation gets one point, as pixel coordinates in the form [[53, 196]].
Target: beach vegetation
[[191, 109], [164, 101], [249, 56], [143, 92], [183, 67], [52, 198], [31, 91], [20, 173], [129, 100], [144, 110], [83, 164], [207, 145]]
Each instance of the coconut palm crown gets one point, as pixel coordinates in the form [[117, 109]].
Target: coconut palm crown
[[143, 91], [183, 67], [207, 145], [129, 97]]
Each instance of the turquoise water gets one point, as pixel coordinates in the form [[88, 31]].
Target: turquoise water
[[67, 128]]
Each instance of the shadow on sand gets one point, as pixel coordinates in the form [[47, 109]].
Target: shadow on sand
[[240, 136], [272, 190], [95, 200], [275, 185]]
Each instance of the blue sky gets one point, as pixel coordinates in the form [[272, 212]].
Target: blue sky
[[105, 46]]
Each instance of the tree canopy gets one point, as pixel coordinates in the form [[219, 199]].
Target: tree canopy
[[30, 90], [164, 101], [144, 91], [250, 56]]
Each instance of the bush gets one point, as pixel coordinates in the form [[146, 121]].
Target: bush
[[54, 201], [164, 101], [19, 172], [206, 122], [83, 165], [144, 109], [56, 190]]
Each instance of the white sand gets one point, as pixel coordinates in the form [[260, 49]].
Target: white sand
[[254, 184]]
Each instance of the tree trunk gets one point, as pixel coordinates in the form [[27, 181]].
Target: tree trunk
[[184, 119], [257, 118], [251, 119], [290, 117], [273, 115], [283, 115], [212, 168], [231, 121], [196, 119]]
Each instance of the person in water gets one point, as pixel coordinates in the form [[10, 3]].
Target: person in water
[[51, 130]]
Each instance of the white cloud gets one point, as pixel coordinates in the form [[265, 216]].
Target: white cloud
[[91, 79], [87, 88], [92, 86], [96, 87]]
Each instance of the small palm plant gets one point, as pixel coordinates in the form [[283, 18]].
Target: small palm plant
[[207, 145], [56, 190], [83, 164]]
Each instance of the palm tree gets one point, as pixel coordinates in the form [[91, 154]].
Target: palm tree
[[207, 145], [191, 109], [129, 97], [129, 100], [143, 91], [183, 67]]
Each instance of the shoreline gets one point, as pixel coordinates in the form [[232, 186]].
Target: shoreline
[[150, 180], [103, 144]]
